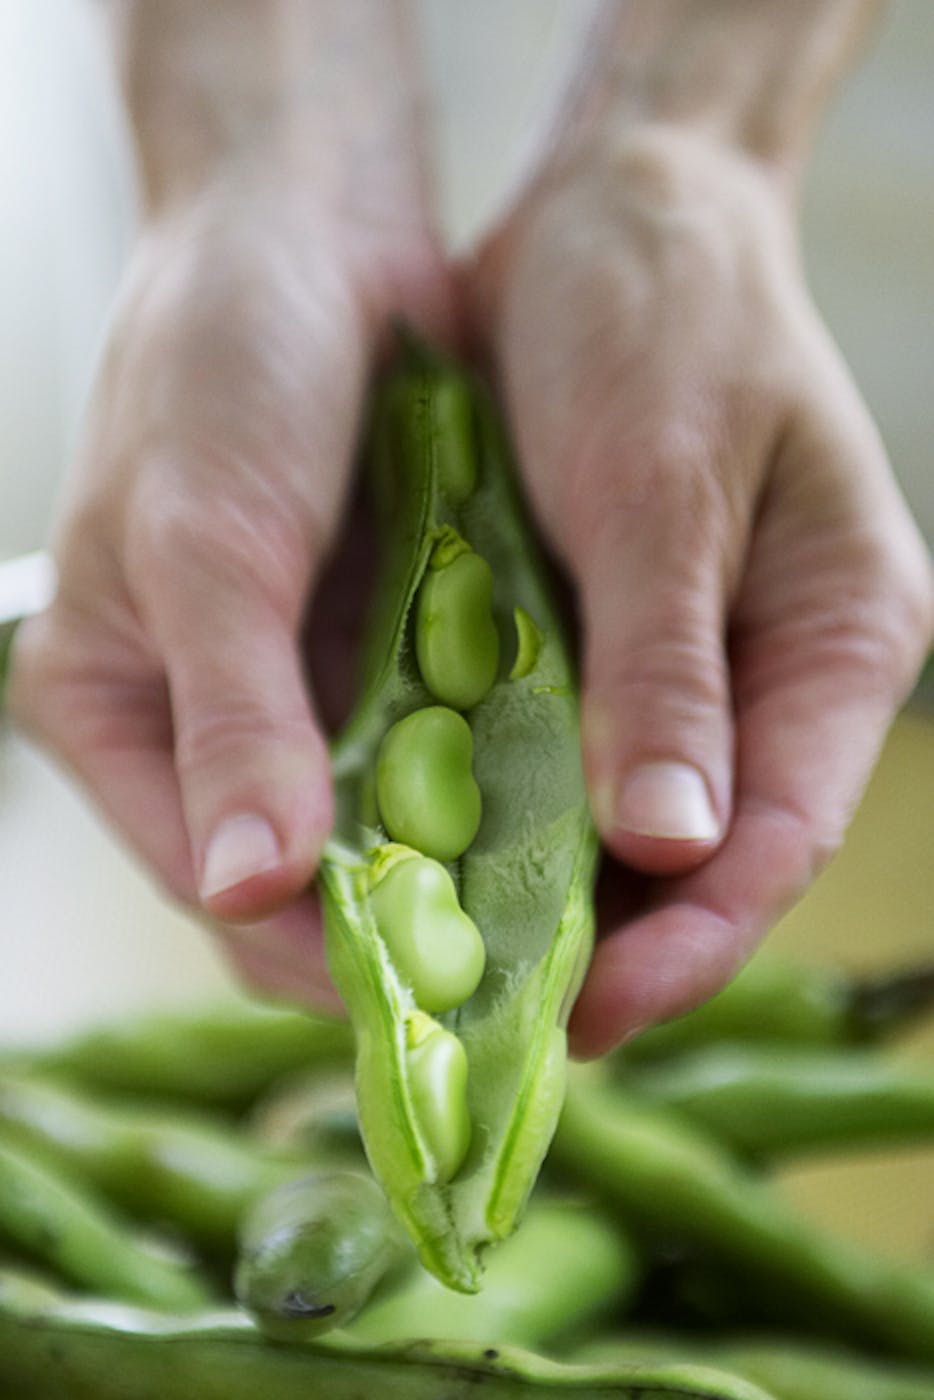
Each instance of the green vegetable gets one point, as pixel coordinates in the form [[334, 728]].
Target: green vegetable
[[168, 1167], [775, 1100], [774, 1000], [524, 880], [425, 788], [528, 645], [48, 1217], [565, 1267], [801, 1372], [100, 1351], [432, 942], [436, 1068], [456, 641], [789, 1368], [312, 1252], [315, 1115], [673, 1182], [222, 1056]]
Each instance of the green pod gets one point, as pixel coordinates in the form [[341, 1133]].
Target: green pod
[[787, 1002], [104, 1352], [676, 1184], [565, 1269], [313, 1114], [456, 640], [437, 1077], [436, 948], [220, 1056], [178, 1167], [771, 1101], [525, 879], [52, 1219], [312, 1251], [790, 1368], [428, 797]]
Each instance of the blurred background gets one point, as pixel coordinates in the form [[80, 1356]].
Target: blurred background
[[82, 932]]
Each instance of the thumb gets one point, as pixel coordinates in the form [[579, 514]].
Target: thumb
[[657, 729], [251, 762]]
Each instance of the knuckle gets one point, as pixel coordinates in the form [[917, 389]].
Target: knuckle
[[209, 731], [244, 541], [891, 620], [671, 676]]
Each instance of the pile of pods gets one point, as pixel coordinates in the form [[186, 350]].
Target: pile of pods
[[185, 1208]]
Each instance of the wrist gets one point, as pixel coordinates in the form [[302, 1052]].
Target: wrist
[[316, 91], [753, 76]]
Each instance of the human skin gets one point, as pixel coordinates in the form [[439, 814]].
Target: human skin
[[285, 219], [754, 597]]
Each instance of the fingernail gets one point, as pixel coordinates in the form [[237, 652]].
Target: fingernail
[[667, 800], [240, 848]]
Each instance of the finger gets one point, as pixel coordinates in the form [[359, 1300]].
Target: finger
[[283, 956], [657, 726], [804, 753], [694, 934], [105, 715], [824, 652], [222, 602]]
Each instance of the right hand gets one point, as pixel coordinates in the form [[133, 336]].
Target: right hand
[[214, 466]]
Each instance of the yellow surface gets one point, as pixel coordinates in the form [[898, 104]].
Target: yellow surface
[[874, 908]]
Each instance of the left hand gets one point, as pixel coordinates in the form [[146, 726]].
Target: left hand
[[755, 598]]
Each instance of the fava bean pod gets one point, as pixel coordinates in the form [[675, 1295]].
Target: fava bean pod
[[460, 964]]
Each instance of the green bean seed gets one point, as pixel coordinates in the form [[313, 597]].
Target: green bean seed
[[437, 1075], [455, 454], [528, 645], [456, 641], [313, 1250], [435, 946], [425, 788]]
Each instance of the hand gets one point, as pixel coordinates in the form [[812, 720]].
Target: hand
[[754, 598], [207, 493]]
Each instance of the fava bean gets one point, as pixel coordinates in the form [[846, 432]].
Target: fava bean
[[436, 948], [455, 455], [456, 641], [313, 1250], [437, 1074], [528, 645], [428, 797]]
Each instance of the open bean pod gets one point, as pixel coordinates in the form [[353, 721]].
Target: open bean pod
[[459, 1086]]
